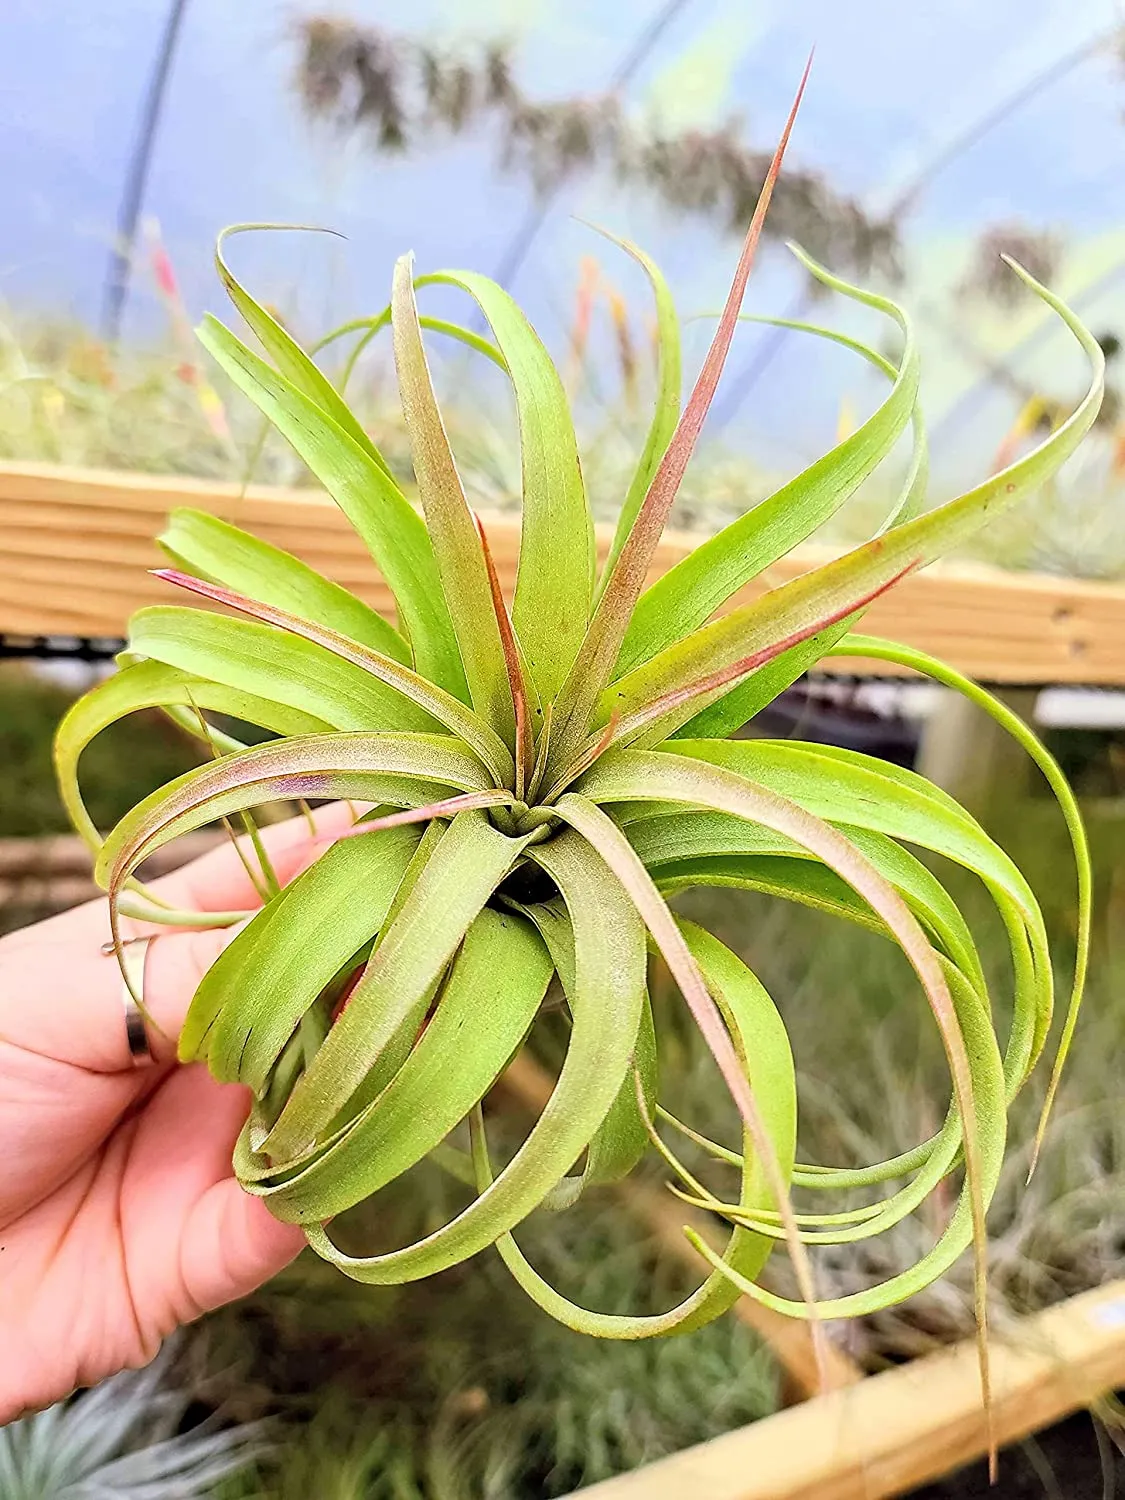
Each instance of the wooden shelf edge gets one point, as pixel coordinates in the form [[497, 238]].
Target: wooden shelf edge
[[76, 544], [909, 1425]]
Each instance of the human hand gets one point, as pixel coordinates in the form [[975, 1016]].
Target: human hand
[[120, 1217]]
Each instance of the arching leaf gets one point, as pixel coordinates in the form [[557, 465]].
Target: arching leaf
[[221, 553]]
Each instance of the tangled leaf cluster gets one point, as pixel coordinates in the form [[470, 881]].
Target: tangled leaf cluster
[[404, 91], [541, 781]]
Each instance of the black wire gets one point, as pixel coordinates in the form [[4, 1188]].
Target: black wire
[[58, 647], [136, 179], [525, 235]]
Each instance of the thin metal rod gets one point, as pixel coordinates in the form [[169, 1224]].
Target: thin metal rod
[[136, 179], [984, 124], [744, 380], [526, 233]]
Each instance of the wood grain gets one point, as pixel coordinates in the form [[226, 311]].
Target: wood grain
[[909, 1425], [54, 873], [75, 547]]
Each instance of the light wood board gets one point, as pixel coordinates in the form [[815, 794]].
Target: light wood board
[[909, 1425], [75, 546]]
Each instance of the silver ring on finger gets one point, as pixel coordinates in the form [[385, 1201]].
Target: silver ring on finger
[[135, 956]]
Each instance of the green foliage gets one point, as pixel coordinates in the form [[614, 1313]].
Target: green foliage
[[507, 1385], [533, 753], [1051, 1237]]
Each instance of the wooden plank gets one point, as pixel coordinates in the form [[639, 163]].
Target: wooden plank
[[75, 546], [788, 1338], [909, 1425], [54, 873]]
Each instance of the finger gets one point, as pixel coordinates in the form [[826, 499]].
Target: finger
[[232, 1244], [62, 997], [66, 1000], [218, 880], [181, 1208]]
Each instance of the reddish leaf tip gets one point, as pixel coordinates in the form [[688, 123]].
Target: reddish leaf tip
[[195, 585], [730, 675], [524, 748], [628, 575]]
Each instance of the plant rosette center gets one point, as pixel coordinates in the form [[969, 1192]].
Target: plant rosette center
[[537, 822]]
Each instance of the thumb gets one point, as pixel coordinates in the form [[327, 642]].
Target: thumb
[[65, 998], [232, 1244]]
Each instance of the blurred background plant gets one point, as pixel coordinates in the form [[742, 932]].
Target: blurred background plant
[[133, 1438], [402, 92]]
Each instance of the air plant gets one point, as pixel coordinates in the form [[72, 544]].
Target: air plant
[[541, 780]]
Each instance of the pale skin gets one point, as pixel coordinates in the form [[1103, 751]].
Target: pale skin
[[119, 1216]]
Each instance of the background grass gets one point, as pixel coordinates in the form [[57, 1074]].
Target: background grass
[[126, 762]]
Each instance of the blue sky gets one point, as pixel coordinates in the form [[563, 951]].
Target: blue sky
[[891, 83]]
